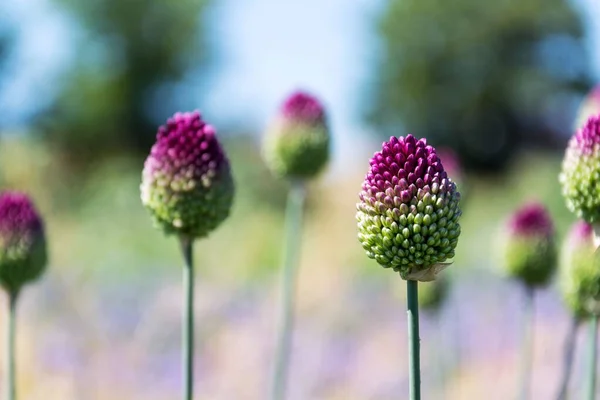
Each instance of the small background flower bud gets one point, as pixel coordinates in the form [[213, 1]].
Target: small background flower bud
[[580, 176], [297, 143], [186, 181], [529, 251], [409, 210], [579, 275], [23, 254]]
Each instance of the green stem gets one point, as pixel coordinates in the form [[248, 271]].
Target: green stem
[[527, 345], [414, 362], [10, 347], [188, 318], [568, 354], [593, 350], [293, 221]]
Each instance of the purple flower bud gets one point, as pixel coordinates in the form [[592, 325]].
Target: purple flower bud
[[423, 229], [529, 249], [22, 241], [579, 276], [297, 143], [186, 181], [580, 176]]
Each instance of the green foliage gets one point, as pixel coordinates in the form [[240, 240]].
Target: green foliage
[[478, 76], [130, 56]]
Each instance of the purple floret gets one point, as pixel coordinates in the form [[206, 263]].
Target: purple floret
[[532, 219], [18, 216], [303, 107]]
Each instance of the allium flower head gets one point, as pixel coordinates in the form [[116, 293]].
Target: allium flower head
[[409, 210], [297, 143], [579, 275], [22, 241], [186, 181], [529, 250], [580, 176], [589, 107]]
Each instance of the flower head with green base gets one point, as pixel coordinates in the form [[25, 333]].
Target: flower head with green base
[[589, 107], [297, 144], [186, 181], [529, 250], [22, 241], [580, 176], [579, 277], [408, 214]]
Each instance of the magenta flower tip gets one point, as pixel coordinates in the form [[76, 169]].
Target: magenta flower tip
[[301, 106], [531, 219]]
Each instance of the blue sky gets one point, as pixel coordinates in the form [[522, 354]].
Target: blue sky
[[266, 48]]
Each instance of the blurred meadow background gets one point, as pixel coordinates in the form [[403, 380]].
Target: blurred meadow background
[[85, 84]]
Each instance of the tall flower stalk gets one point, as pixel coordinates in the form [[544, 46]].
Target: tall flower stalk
[[23, 259], [408, 217], [529, 256], [296, 148], [580, 180], [188, 188]]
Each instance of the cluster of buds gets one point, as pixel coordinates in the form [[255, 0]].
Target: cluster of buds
[[529, 249], [23, 254], [186, 182], [297, 143], [408, 214]]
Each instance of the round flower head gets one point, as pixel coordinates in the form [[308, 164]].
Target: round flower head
[[433, 294], [186, 181], [409, 210], [529, 250], [579, 276], [589, 107], [297, 143], [580, 176], [22, 241]]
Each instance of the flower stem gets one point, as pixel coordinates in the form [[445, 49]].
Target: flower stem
[[527, 345], [414, 362], [592, 353], [188, 318], [10, 347], [568, 353], [293, 221]]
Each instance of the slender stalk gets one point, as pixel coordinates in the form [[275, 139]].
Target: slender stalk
[[10, 347], [414, 356], [527, 345], [593, 351], [188, 318], [293, 221], [568, 355]]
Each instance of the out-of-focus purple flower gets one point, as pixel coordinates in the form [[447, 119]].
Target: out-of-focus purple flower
[[23, 254], [589, 107], [529, 250], [579, 276], [580, 176], [409, 209], [186, 181], [297, 143]]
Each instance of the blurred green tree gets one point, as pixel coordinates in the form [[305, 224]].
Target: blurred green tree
[[130, 56], [483, 77]]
